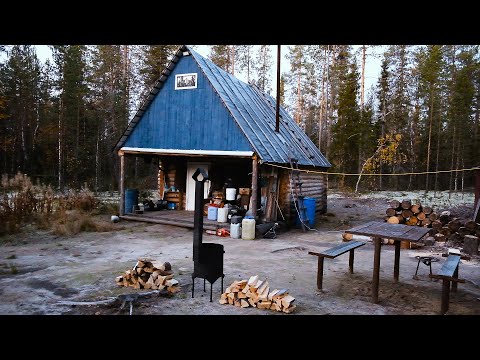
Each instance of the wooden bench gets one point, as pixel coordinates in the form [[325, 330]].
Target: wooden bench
[[448, 273], [333, 253]]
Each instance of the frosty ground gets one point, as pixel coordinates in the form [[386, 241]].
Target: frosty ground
[[40, 271]]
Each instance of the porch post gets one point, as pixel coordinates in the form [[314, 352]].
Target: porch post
[[122, 182], [253, 200]]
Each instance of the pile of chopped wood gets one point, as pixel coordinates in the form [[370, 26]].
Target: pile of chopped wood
[[410, 213], [448, 228], [147, 274], [256, 293]]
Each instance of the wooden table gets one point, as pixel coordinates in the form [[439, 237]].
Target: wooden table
[[396, 232]]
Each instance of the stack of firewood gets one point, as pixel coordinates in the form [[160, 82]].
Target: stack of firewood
[[453, 229], [256, 293], [409, 213], [148, 274]]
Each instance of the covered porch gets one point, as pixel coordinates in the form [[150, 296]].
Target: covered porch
[[181, 218]]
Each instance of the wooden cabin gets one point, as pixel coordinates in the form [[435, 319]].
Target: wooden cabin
[[198, 115]]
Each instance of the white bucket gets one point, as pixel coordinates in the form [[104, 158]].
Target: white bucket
[[235, 231], [222, 215], [231, 192], [248, 229]]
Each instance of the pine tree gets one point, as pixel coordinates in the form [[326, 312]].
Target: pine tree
[[346, 130], [110, 91], [220, 55], [19, 98], [244, 59], [263, 68], [430, 65], [153, 60], [71, 66]]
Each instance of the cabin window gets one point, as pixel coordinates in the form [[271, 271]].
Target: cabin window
[[186, 81]]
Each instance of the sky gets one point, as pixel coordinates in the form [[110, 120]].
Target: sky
[[372, 68]]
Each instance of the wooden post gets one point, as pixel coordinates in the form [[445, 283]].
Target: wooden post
[[455, 283], [350, 260], [477, 188], [476, 214], [396, 266], [122, 183], [320, 273], [253, 199], [445, 296], [376, 269]]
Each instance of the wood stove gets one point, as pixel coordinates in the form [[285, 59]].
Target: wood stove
[[207, 258]]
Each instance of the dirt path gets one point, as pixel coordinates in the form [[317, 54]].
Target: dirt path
[[38, 271]]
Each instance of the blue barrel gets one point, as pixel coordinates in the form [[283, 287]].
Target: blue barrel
[[131, 199], [309, 204]]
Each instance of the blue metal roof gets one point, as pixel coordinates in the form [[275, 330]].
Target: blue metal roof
[[253, 111]]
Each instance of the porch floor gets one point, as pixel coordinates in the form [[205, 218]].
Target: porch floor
[[181, 218]]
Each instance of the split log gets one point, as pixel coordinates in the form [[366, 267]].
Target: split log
[[264, 305], [470, 245], [289, 309], [440, 237], [272, 294], [455, 238], [421, 216], [395, 204], [223, 299], [416, 209], [471, 225], [390, 212], [445, 231], [412, 220], [437, 225], [427, 210], [462, 231], [287, 300], [393, 220], [406, 204], [407, 213], [444, 217], [426, 222], [432, 216], [454, 225]]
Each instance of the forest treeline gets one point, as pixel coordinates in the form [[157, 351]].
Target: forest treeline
[[60, 120]]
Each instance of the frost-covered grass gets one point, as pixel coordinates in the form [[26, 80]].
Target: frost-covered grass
[[440, 199]]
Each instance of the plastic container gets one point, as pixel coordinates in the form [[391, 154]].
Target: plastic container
[[235, 231], [222, 215], [309, 204], [236, 219], [212, 213], [231, 194], [131, 200], [248, 229]]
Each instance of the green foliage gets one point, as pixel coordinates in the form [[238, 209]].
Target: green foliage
[[220, 55]]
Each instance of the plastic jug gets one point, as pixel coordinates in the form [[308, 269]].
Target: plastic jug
[[235, 231], [248, 229], [222, 215], [212, 213]]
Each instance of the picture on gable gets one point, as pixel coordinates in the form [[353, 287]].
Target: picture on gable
[[185, 81]]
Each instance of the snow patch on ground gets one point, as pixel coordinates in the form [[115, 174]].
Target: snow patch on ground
[[440, 199]]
